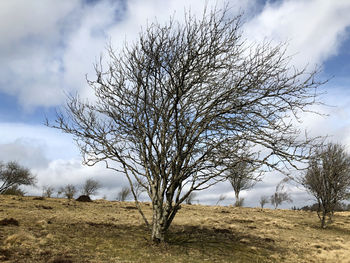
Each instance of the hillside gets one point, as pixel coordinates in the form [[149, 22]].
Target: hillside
[[56, 230]]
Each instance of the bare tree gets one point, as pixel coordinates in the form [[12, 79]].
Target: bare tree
[[222, 197], [48, 191], [172, 106], [59, 192], [328, 179], [241, 176], [14, 175], [68, 191], [139, 188], [263, 200], [90, 187], [123, 194], [281, 195], [190, 198]]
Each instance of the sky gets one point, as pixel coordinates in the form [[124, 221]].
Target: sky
[[48, 47]]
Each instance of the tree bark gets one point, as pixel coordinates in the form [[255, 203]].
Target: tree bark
[[158, 232], [237, 199], [322, 213], [323, 220], [159, 224]]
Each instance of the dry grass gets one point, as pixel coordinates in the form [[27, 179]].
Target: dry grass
[[56, 230]]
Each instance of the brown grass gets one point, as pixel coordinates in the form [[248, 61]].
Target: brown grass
[[58, 230]]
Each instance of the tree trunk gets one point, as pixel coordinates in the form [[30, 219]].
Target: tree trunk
[[323, 220], [159, 224], [158, 232], [322, 214], [237, 199]]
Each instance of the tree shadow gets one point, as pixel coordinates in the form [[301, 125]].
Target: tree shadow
[[210, 240]]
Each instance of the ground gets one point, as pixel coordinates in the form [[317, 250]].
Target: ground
[[61, 231]]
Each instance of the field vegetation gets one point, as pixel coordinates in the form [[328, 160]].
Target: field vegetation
[[57, 230]]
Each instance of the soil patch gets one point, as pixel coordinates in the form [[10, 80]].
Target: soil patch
[[44, 207], [39, 198], [9, 221], [130, 207]]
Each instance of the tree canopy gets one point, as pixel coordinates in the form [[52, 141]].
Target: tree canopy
[[173, 107], [13, 175]]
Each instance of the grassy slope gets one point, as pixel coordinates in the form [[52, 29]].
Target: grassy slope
[[104, 231]]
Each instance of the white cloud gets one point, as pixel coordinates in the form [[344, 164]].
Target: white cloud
[[53, 143], [30, 46], [86, 44], [21, 19], [25, 152], [314, 29], [47, 47]]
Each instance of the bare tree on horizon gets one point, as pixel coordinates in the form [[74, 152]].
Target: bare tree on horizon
[[12, 175], [123, 194], [263, 201], [242, 176], [280, 195], [328, 179], [90, 187]]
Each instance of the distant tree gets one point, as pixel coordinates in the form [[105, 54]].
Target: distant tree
[[313, 207], [348, 207], [139, 187], [280, 195], [190, 198], [48, 191], [339, 207], [68, 191], [263, 200], [222, 197], [14, 175], [241, 176], [59, 191], [90, 187], [170, 107], [123, 194], [14, 190], [328, 179]]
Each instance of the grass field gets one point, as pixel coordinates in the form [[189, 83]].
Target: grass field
[[56, 230]]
